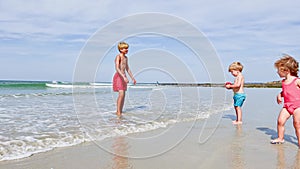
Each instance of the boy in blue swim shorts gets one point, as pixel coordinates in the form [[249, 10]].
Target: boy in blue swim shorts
[[239, 99], [239, 96]]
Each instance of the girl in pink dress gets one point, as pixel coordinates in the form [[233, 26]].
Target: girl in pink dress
[[288, 69]]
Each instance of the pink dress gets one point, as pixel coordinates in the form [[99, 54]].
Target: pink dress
[[119, 83], [291, 94]]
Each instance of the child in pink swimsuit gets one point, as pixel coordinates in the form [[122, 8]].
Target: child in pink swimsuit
[[291, 94], [288, 69], [120, 80]]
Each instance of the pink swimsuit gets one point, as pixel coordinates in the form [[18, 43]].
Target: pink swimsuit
[[291, 94]]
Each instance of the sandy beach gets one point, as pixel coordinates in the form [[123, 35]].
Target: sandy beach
[[211, 143]]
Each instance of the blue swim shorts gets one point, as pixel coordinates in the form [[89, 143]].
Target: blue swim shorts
[[239, 99]]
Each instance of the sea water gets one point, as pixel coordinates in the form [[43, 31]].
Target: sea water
[[40, 116]]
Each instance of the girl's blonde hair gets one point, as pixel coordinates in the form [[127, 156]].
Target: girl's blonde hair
[[123, 45], [288, 63], [235, 66]]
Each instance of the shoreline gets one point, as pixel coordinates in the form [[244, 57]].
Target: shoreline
[[246, 85], [274, 84]]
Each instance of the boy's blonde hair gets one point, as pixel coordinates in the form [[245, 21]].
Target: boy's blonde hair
[[288, 63], [236, 66], [123, 45]]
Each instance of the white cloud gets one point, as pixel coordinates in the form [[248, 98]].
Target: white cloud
[[50, 18]]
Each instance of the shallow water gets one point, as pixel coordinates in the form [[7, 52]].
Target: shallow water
[[36, 118]]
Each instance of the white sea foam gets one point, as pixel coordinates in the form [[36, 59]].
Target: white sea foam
[[34, 121], [100, 84], [94, 85], [27, 146]]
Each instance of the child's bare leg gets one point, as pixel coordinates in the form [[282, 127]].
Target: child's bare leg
[[296, 122], [120, 102], [238, 112], [123, 100], [282, 118]]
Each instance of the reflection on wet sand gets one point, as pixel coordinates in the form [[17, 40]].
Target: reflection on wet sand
[[237, 150], [119, 151], [120, 158], [282, 160], [280, 157], [297, 160]]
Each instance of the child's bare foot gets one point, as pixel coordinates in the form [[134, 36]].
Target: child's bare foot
[[277, 141], [237, 122], [119, 114]]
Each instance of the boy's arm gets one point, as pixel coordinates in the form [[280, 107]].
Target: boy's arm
[[130, 73], [237, 82]]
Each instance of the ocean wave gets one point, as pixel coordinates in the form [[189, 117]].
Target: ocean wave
[[22, 84], [65, 85], [50, 93], [96, 85], [26, 146]]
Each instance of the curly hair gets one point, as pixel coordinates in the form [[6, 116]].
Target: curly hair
[[288, 63]]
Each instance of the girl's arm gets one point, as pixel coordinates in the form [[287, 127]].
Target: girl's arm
[[279, 98], [280, 95], [298, 82]]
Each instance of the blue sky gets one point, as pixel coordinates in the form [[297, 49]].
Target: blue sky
[[42, 41]]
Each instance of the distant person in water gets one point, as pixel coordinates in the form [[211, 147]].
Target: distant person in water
[[120, 80], [287, 68], [239, 96]]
